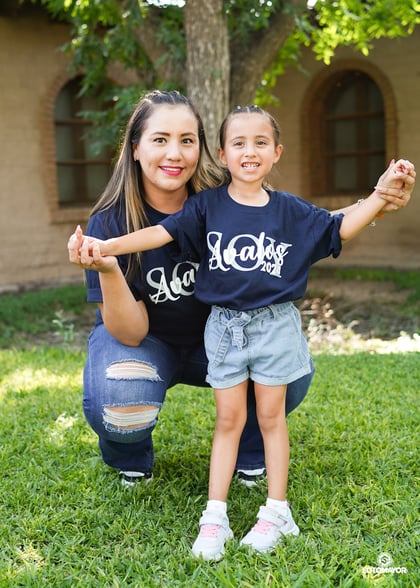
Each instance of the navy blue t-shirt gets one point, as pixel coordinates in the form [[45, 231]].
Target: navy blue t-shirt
[[165, 283], [253, 256]]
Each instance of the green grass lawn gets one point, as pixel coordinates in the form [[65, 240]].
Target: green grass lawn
[[65, 520]]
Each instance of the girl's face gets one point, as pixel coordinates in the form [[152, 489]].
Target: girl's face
[[250, 150], [168, 150]]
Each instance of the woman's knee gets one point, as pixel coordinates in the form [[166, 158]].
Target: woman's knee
[[127, 401], [130, 417]]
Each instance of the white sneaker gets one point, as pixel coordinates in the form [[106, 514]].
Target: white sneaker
[[134, 478], [214, 532], [270, 529], [251, 478]]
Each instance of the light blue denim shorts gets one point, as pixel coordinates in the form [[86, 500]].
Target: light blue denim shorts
[[266, 345]]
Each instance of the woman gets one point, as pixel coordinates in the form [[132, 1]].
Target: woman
[[149, 330]]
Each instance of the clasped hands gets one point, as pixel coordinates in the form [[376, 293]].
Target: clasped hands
[[86, 252]]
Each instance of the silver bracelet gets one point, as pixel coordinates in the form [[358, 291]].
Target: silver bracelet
[[373, 223]]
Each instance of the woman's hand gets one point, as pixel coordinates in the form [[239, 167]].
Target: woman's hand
[[124, 317], [85, 251], [396, 196]]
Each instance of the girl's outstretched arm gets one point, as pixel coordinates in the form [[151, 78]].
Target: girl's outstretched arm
[[142, 240]]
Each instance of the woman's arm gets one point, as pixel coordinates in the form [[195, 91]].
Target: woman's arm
[[360, 216], [394, 198], [124, 317]]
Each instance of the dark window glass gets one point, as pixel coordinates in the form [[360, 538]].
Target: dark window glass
[[82, 174], [354, 133]]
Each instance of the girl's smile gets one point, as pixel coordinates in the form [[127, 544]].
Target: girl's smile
[[249, 151]]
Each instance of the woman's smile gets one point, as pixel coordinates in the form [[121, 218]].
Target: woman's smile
[[171, 170]]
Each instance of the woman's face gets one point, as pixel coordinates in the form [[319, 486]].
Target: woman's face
[[168, 150]]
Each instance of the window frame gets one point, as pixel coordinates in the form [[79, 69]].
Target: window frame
[[314, 133], [80, 162], [78, 213]]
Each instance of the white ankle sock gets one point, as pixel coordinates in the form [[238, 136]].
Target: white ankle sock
[[218, 505], [277, 505]]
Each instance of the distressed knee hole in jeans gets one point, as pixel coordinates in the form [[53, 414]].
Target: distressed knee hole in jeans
[[130, 417], [132, 370]]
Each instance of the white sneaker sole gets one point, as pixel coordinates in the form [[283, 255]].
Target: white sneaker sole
[[135, 480], [265, 548]]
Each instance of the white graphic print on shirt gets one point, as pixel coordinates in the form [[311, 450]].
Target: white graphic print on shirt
[[181, 283], [261, 251]]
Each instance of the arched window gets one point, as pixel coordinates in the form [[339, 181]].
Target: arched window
[[81, 173], [349, 132], [354, 131]]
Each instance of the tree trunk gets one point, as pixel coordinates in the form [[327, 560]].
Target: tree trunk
[[208, 62]]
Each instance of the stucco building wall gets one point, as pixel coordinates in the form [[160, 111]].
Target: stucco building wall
[[34, 232], [33, 69], [395, 242]]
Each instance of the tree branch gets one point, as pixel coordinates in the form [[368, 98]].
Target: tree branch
[[249, 62], [165, 66]]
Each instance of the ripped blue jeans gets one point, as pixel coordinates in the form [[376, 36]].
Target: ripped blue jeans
[[120, 377]]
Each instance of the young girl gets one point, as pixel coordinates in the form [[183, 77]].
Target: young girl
[[255, 248]]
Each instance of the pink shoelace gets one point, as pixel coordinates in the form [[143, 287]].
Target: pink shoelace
[[209, 530], [263, 527]]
